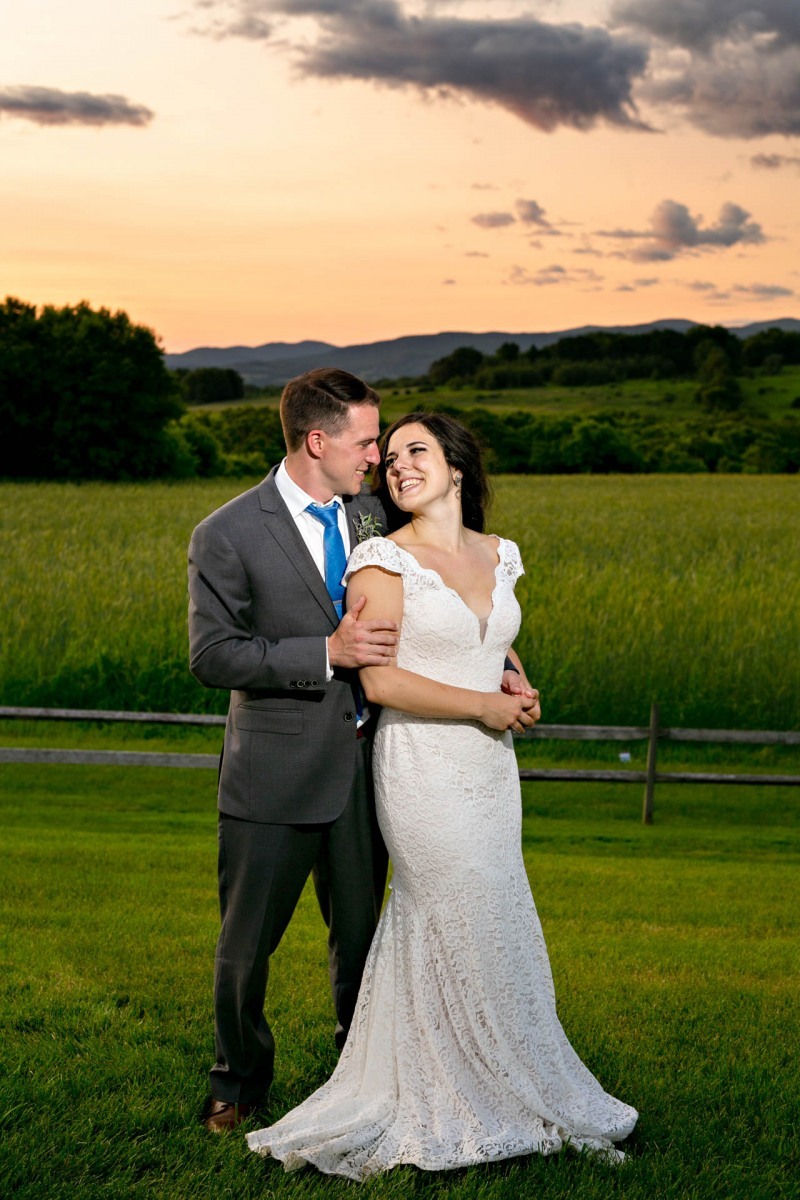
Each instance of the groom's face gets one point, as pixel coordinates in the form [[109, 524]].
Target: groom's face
[[348, 457]]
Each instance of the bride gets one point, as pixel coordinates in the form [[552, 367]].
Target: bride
[[455, 1055]]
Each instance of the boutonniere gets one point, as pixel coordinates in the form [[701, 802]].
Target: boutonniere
[[366, 526]]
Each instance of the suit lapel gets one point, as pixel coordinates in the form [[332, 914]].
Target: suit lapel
[[283, 530]]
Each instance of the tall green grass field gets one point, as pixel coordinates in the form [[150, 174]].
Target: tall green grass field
[[680, 589]]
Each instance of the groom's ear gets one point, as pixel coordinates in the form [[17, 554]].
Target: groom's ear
[[315, 442]]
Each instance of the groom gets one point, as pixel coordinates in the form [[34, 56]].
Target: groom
[[295, 790]]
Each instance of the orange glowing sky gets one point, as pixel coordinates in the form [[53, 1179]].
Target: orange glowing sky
[[245, 171]]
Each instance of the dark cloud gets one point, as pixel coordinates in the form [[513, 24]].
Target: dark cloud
[[549, 75], [530, 212], [493, 220], [545, 277], [754, 291], [249, 27], [49, 106], [699, 24], [731, 66], [674, 231], [619, 234], [774, 162], [738, 92], [552, 276], [709, 291], [637, 285], [763, 291]]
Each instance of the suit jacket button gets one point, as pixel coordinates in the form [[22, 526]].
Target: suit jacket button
[[315, 683], [348, 716], [292, 683]]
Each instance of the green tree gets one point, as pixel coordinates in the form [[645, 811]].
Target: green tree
[[250, 438], [461, 364], [771, 342], [727, 342], [84, 394], [212, 385], [719, 389]]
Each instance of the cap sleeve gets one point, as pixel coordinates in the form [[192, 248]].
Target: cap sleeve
[[512, 560], [374, 552]]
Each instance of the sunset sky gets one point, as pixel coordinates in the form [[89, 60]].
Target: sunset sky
[[245, 171]]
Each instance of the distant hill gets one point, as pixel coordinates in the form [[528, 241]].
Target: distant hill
[[275, 362], [231, 356]]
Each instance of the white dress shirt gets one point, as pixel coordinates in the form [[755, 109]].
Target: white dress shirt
[[310, 529]]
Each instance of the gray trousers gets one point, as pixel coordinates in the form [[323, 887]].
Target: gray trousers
[[262, 871]]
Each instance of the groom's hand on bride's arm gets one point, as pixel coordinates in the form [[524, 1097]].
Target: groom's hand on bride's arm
[[358, 643]]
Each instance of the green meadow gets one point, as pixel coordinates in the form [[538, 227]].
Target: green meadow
[[771, 395], [674, 588], [674, 950]]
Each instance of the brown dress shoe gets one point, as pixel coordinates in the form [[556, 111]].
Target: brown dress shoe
[[222, 1117]]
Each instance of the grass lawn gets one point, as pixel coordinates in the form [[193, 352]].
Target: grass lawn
[[674, 950], [665, 398]]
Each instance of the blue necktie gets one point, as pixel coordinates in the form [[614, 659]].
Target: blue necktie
[[335, 563], [335, 554]]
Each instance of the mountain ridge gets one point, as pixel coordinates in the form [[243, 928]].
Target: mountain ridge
[[408, 356]]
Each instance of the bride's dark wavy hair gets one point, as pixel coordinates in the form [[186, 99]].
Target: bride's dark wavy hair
[[461, 453]]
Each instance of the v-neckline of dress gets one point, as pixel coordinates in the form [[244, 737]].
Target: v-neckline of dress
[[481, 622]]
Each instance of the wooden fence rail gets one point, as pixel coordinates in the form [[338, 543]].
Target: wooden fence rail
[[652, 733]]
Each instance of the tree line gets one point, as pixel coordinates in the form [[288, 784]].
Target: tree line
[[85, 394], [711, 354], [523, 442]]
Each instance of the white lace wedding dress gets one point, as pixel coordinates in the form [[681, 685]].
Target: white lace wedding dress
[[456, 1055]]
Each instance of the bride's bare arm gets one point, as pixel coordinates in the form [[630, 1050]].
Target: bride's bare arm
[[412, 693]]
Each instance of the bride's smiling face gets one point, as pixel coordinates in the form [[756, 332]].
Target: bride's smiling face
[[416, 471]]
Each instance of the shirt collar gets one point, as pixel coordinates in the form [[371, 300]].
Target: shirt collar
[[293, 496]]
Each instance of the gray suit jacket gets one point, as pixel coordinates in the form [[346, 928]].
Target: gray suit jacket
[[259, 614]]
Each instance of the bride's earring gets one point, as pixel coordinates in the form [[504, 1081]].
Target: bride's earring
[[457, 481]]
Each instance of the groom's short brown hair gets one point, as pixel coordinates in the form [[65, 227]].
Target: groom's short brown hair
[[321, 399]]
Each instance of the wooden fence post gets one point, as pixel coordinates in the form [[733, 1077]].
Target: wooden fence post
[[650, 779]]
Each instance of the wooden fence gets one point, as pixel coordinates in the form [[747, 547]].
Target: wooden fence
[[652, 733]]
